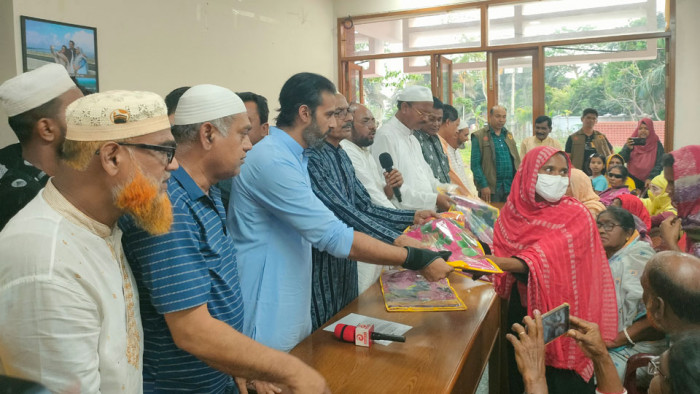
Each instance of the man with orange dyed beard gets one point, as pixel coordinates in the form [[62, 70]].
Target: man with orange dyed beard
[[69, 309]]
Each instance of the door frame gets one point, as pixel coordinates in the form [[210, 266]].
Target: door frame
[[537, 53]]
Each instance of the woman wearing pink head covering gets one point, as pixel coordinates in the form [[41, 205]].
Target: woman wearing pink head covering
[[643, 161], [550, 248]]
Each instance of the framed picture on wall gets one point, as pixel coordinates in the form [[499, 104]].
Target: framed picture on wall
[[72, 46]]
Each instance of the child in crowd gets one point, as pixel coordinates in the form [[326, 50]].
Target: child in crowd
[[597, 167]]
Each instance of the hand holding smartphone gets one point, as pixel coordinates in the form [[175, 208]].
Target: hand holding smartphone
[[638, 141], [555, 322]]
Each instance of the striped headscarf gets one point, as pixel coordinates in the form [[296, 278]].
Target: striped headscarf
[[686, 190], [561, 246]]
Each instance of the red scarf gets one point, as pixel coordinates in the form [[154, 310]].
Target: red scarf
[[634, 205], [643, 157], [560, 244]]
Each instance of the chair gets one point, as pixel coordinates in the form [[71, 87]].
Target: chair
[[633, 363]]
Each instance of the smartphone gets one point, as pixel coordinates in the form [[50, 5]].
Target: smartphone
[[555, 322], [638, 141]]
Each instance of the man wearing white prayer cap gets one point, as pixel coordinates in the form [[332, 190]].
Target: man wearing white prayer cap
[[188, 278], [395, 137], [69, 308], [453, 134], [35, 103]]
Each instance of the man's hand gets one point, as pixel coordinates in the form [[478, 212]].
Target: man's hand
[[619, 340], [671, 231], [259, 386], [405, 240], [423, 216], [307, 380], [529, 353], [393, 179], [485, 194], [587, 337], [444, 202], [437, 270]]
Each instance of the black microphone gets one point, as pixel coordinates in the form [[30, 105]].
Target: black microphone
[[388, 164]]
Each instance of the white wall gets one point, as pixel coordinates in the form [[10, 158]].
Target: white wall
[[686, 129], [158, 45]]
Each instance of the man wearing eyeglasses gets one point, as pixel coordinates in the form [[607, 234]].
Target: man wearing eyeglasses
[[334, 282], [396, 137], [430, 143], [35, 103], [495, 157], [188, 278], [69, 308]]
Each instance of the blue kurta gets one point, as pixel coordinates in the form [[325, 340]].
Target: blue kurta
[[274, 218], [334, 281]]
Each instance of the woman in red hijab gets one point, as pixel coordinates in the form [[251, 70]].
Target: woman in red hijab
[[549, 245], [643, 161], [636, 207]]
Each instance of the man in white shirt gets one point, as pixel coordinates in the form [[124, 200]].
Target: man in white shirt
[[364, 127], [69, 308], [420, 188], [543, 126], [453, 134]]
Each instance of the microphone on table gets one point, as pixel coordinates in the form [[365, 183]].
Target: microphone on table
[[387, 164], [348, 333]]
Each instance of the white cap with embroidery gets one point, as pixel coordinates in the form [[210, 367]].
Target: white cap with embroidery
[[116, 114]]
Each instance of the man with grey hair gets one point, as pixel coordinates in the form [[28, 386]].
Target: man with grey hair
[[188, 278], [671, 283], [495, 157]]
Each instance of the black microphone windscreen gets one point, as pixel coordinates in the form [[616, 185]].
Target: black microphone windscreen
[[385, 160]]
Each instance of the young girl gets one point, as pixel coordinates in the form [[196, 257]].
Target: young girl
[[597, 167]]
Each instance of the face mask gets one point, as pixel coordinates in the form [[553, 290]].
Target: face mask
[[551, 187]]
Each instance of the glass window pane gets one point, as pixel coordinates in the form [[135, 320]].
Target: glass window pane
[[453, 29], [565, 19], [469, 90], [383, 79], [515, 93], [623, 80]]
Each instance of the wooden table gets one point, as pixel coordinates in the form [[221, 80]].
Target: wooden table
[[444, 352]]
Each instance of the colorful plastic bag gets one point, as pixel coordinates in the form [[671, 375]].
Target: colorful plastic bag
[[408, 291], [479, 217], [446, 233]]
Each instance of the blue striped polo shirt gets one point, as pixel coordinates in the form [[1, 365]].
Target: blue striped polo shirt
[[193, 264]]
